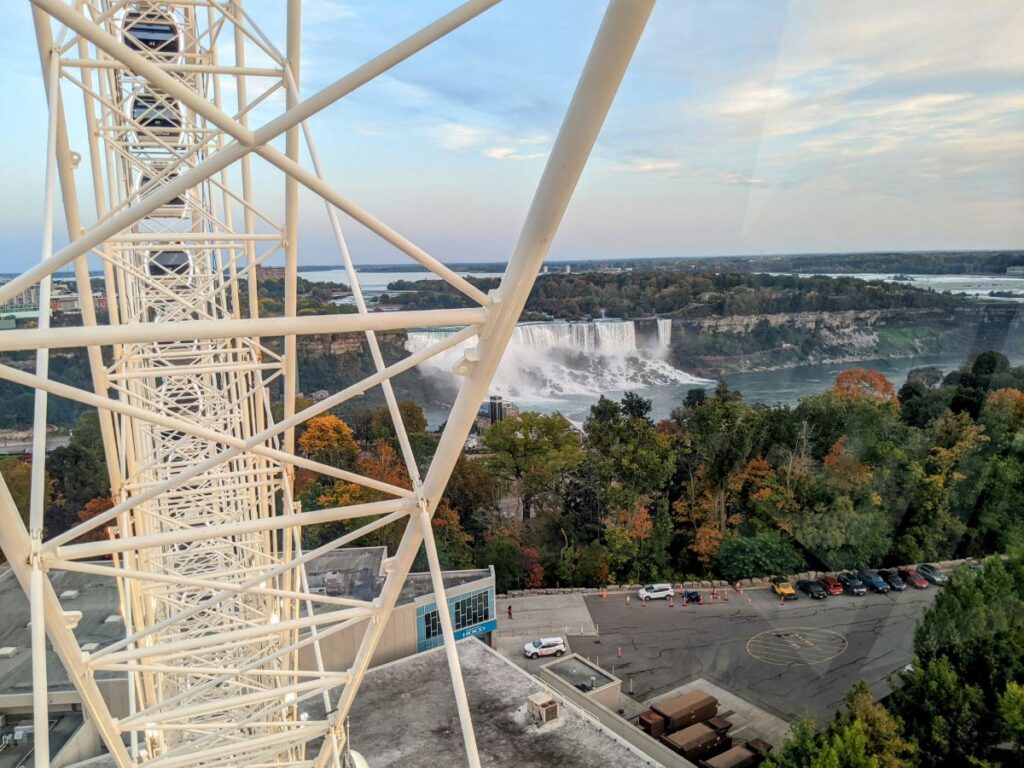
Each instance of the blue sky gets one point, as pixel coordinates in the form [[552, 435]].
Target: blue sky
[[742, 127]]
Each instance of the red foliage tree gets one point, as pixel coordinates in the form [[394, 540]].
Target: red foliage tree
[[533, 570], [860, 382]]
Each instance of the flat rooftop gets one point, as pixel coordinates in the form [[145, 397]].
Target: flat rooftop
[[580, 674], [405, 716], [358, 570], [95, 596], [19, 754], [358, 573]]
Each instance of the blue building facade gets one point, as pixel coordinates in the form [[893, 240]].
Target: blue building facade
[[472, 615]]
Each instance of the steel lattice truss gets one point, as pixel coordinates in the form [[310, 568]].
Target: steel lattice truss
[[204, 539]]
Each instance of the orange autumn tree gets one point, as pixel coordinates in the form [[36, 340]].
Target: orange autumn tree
[[94, 507], [381, 463], [843, 470], [711, 511], [453, 548], [1003, 416], [329, 440], [861, 382]]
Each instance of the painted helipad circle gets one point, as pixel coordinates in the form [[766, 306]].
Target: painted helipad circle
[[796, 646]]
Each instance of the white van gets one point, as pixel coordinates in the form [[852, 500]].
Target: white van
[[546, 646], [655, 592]]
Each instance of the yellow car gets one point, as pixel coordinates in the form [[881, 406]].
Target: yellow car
[[783, 589]]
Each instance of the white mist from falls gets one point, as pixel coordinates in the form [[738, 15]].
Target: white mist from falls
[[546, 361]]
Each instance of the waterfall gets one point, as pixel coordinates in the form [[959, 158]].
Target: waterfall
[[557, 359], [664, 332]]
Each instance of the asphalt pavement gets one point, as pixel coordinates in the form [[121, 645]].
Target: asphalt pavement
[[791, 659]]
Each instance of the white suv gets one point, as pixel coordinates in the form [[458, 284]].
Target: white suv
[[546, 646], [655, 592]]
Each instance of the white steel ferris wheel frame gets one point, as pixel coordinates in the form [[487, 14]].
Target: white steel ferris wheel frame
[[209, 567]]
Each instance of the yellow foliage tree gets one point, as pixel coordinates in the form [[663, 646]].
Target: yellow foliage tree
[[329, 440]]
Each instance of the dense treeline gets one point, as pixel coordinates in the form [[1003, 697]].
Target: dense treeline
[[895, 262], [961, 702], [683, 295], [68, 368], [857, 476], [920, 262]]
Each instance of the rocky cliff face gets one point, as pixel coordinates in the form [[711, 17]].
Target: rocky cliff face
[[809, 321], [714, 346], [334, 344]]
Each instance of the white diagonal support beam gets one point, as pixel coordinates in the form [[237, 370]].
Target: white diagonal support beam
[[204, 535]]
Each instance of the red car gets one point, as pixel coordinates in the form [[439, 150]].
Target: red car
[[831, 585], [913, 578]]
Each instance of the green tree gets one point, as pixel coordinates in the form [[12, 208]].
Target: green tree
[[882, 731], [800, 747], [473, 493], [764, 554], [842, 537], [622, 552], [636, 407], [942, 712], [413, 418], [505, 554], [17, 474], [1011, 711], [534, 453], [629, 458]]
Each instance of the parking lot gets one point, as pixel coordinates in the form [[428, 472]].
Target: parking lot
[[790, 659]]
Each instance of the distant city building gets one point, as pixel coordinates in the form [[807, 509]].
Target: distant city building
[[62, 299], [270, 273], [27, 299], [1015, 271], [496, 409]]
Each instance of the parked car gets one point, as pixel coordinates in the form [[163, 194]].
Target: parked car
[[783, 588], [851, 583], [932, 573], [873, 581], [545, 646], [831, 584], [913, 578], [812, 589], [976, 566], [691, 596], [893, 580], [655, 592]]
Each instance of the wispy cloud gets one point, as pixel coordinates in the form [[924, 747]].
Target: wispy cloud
[[668, 168], [511, 153], [325, 11], [458, 136]]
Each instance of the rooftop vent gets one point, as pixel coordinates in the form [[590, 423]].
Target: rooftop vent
[[542, 708], [112, 618], [8, 651], [90, 647], [69, 594]]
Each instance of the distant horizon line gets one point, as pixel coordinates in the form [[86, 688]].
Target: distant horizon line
[[398, 266]]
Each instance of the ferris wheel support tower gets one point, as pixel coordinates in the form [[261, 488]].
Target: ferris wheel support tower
[[210, 569]]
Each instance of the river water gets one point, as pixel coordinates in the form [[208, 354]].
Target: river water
[[565, 367], [783, 386]]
